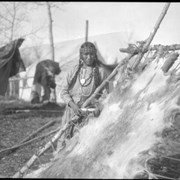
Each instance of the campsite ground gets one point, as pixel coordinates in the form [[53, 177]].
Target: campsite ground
[[18, 120], [17, 124]]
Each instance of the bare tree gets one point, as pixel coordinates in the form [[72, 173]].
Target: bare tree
[[49, 6], [51, 40], [12, 14]]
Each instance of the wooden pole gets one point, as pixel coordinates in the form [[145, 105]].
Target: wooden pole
[[50, 26], [86, 36], [130, 56], [101, 86], [152, 34], [51, 40]]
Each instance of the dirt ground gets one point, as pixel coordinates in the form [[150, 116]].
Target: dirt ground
[[18, 120]]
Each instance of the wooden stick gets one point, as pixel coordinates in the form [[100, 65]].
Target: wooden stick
[[128, 58], [151, 36], [8, 150], [41, 151], [86, 36], [31, 110], [101, 86], [22, 143], [38, 130]]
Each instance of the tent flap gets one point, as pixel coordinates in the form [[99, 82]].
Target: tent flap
[[10, 63]]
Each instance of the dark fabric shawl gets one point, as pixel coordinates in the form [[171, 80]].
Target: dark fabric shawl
[[10, 63]]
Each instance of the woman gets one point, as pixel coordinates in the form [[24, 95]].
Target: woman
[[81, 83]]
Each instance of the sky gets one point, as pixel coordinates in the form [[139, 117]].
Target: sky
[[108, 17]]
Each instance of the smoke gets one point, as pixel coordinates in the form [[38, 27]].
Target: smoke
[[118, 143]]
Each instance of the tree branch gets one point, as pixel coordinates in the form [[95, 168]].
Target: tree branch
[[7, 20]]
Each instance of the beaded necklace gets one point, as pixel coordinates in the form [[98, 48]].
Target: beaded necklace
[[82, 77], [84, 82]]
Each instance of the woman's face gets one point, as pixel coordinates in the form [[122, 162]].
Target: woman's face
[[88, 58]]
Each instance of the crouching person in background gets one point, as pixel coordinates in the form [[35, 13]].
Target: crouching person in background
[[44, 78]]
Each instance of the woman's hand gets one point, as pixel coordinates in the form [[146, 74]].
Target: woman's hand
[[75, 108], [97, 112], [98, 109]]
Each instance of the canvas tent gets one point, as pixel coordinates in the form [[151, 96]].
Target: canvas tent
[[10, 63]]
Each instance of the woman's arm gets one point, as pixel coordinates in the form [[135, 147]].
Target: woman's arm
[[65, 94]]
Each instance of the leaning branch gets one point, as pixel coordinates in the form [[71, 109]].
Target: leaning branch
[[6, 151], [101, 86], [24, 169], [151, 36], [27, 140], [38, 130]]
